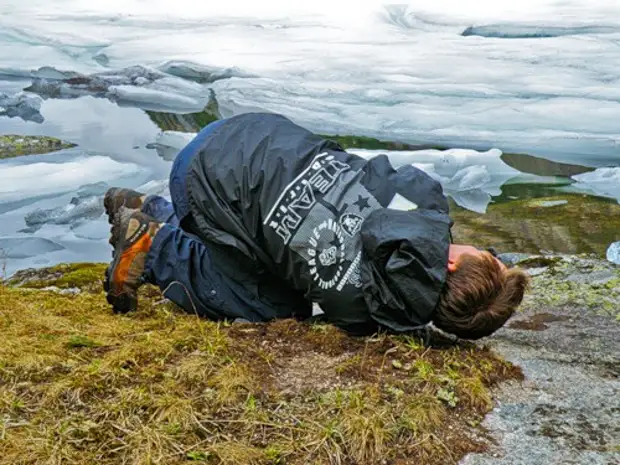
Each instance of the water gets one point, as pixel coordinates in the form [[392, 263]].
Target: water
[[537, 77]]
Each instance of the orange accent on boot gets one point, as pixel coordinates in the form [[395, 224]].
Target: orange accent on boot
[[121, 272]]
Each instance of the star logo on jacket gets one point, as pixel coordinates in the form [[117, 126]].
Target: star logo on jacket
[[362, 203], [351, 223]]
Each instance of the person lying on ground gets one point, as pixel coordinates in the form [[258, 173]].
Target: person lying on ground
[[267, 218]]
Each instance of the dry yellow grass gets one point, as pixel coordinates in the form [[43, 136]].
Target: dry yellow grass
[[79, 385]]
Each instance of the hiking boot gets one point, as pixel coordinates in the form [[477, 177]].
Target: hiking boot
[[134, 235], [117, 197]]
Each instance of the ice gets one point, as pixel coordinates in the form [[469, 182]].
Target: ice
[[16, 180], [470, 177], [169, 143], [613, 253], [201, 73], [96, 230], [85, 206], [25, 247], [155, 187], [95, 189], [153, 99], [602, 181], [139, 86], [21, 105], [80, 209], [388, 71], [44, 72]]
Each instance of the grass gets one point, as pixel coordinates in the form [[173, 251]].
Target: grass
[[81, 385]]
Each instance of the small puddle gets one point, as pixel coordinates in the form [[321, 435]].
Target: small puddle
[[537, 322]]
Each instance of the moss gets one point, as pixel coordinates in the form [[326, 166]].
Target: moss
[[84, 276], [564, 286], [370, 143], [81, 275], [79, 384], [12, 145], [188, 122], [539, 262], [527, 226]]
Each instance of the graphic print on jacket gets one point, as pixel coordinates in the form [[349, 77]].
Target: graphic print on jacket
[[319, 217]]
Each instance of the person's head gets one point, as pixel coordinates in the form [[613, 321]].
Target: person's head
[[480, 293]]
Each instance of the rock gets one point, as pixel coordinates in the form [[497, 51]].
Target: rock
[[566, 340], [512, 258], [12, 145], [21, 105], [67, 291], [553, 203]]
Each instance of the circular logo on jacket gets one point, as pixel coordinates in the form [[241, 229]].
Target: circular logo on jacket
[[326, 253]]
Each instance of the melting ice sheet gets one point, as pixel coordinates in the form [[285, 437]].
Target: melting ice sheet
[[22, 180], [535, 76], [603, 181]]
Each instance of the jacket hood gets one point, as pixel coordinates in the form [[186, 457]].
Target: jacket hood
[[406, 266]]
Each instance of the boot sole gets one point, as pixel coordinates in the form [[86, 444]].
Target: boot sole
[[122, 302]]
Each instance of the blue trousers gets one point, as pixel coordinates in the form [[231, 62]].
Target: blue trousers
[[183, 267]]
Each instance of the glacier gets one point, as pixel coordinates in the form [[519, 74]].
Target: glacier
[[399, 71], [486, 78]]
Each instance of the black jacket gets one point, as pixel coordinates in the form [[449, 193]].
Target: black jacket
[[368, 243]]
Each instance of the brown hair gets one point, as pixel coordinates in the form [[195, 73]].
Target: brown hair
[[479, 297]]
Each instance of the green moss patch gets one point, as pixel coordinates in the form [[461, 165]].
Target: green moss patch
[[580, 283], [12, 145], [85, 276], [370, 143], [79, 384]]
